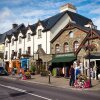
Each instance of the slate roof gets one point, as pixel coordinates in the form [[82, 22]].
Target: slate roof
[[11, 32], [50, 22]]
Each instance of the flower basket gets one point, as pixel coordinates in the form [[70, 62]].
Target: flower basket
[[82, 82], [27, 75]]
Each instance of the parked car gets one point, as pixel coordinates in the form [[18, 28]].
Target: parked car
[[3, 71]]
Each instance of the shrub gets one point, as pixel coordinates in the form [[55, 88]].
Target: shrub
[[33, 69], [44, 73]]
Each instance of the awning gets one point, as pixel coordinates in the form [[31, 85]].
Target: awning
[[93, 56], [64, 58]]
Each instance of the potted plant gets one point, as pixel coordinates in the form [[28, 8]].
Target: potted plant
[[32, 70]]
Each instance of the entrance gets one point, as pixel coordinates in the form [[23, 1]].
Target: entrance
[[98, 68]]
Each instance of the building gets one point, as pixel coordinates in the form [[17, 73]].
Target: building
[[37, 42]]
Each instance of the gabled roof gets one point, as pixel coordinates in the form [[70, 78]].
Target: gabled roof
[[70, 26], [51, 21], [11, 32]]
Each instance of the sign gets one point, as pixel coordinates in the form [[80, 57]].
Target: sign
[[62, 55]]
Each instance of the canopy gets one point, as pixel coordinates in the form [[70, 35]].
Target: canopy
[[63, 58]]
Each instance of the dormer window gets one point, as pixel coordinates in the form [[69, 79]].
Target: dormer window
[[20, 40], [71, 34], [12, 41], [6, 44], [39, 33], [29, 37]]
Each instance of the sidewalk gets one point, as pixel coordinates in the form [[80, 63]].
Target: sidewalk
[[57, 82]]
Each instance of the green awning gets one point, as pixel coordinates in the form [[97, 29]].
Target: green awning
[[63, 59]]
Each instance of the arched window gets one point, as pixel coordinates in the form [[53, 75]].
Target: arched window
[[75, 45], [57, 49], [71, 34], [66, 47]]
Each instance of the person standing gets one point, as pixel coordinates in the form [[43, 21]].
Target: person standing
[[72, 76]]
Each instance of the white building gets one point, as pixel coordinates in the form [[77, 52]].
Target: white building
[[20, 39]]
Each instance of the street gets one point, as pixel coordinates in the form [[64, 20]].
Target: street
[[20, 90]]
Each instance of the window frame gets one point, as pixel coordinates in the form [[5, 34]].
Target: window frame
[[39, 33], [28, 37], [57, 48], [75, 45], [20, 39], [66, 47]]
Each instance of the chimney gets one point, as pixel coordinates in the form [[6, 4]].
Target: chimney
[[68, 7], [14, 25]]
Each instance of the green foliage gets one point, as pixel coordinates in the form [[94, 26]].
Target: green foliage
[[33, 69], [44, 73]]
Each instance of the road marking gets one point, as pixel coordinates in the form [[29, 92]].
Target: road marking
[[24, 91]]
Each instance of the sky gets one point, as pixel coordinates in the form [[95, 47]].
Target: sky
[[30, 11]]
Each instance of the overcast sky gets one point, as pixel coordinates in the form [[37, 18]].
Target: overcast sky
[[30, 11]]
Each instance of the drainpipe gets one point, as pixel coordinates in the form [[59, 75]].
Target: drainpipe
[[46, 42], [33, 46]]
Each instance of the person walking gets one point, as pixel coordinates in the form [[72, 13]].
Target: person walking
[[72, 76]]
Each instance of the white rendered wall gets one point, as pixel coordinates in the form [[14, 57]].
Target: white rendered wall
[[29, 43], [44, 41], [20, 45], [6, 49]]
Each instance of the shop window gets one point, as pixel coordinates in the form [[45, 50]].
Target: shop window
[[75, 45], [57, 48], [66, 47]]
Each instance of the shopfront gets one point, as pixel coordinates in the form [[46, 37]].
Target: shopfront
[[94, 65], [61, 64], [24, 63]]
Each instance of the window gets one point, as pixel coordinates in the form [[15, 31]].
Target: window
[[39, 33], [20, 51], [39, 46], [76, 45], [20, 40], [6, 55], [29, 50], [12, 41], [66, 47], [6, 44], [57, 49], [71, 34], [29, 37]]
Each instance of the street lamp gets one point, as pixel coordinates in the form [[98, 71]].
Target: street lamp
[[89, 49]]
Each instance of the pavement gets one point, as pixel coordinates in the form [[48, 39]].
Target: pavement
[[55, 81]]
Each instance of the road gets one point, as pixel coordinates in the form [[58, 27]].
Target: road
[[20, 90]]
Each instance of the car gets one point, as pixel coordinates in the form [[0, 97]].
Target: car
[[3, 72]]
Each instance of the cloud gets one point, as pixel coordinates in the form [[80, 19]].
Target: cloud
[[5, 13], [95, 11], [97, 22]]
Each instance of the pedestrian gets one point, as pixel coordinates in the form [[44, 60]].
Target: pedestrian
[[72, 76]]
